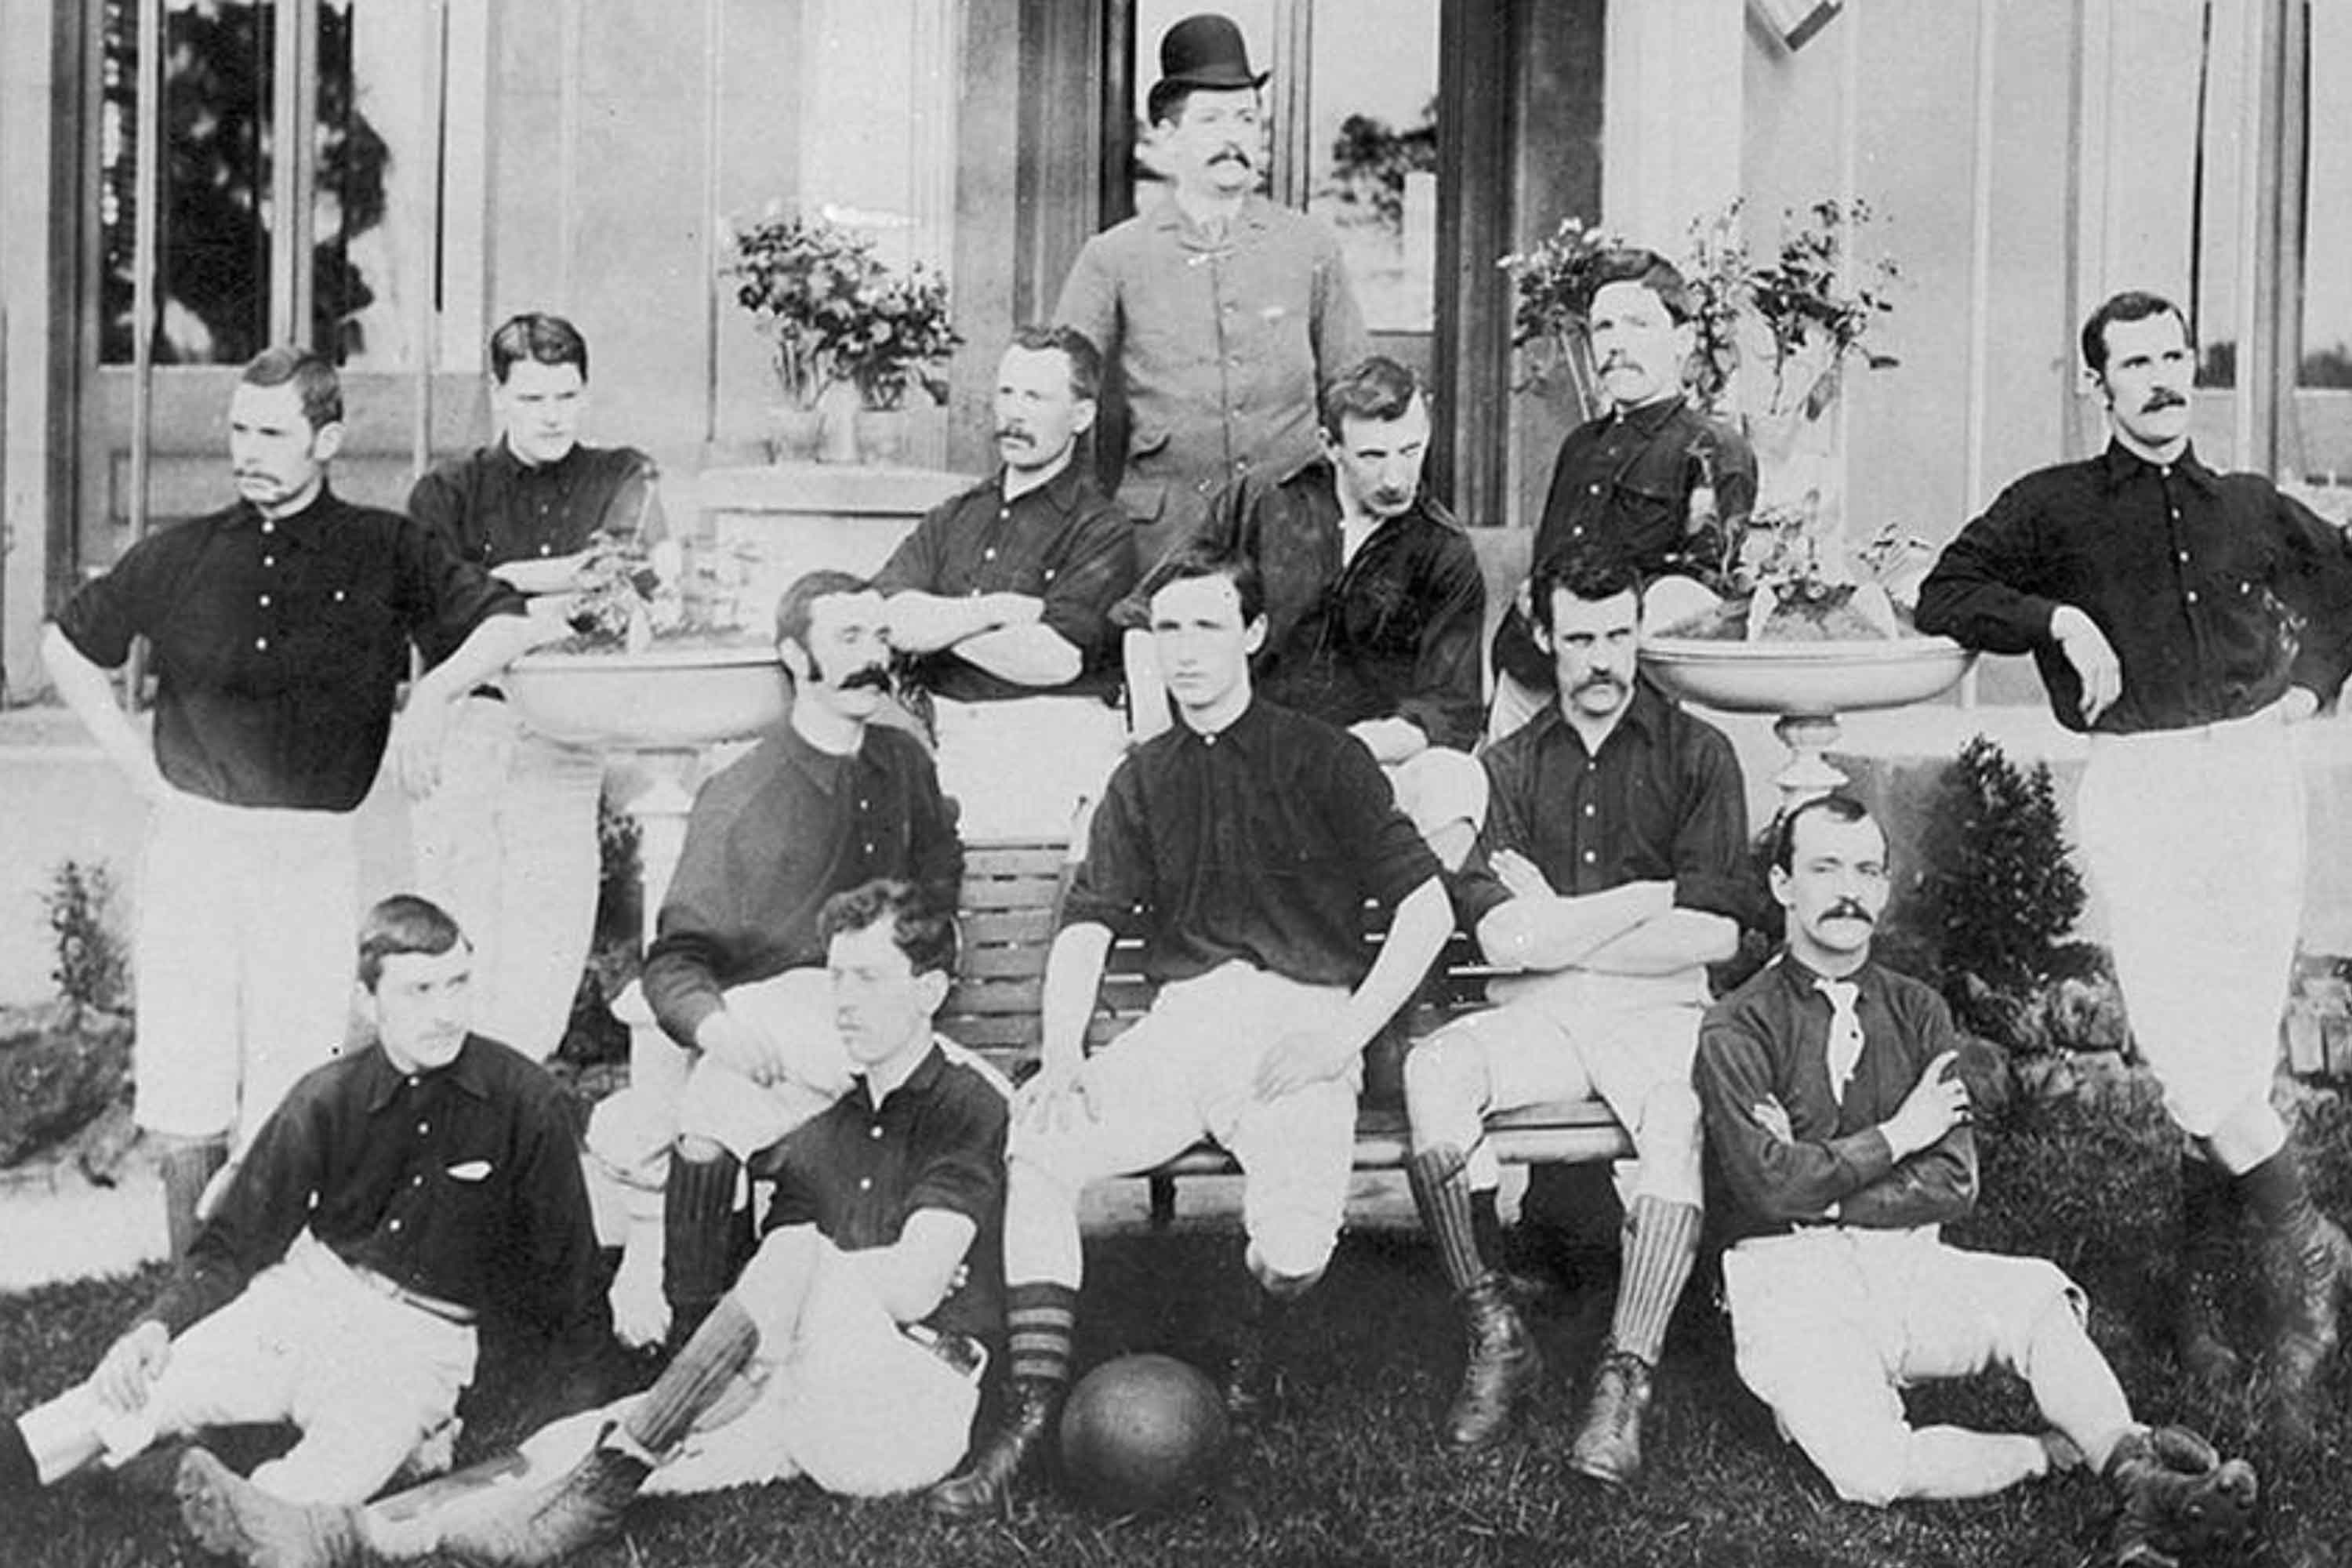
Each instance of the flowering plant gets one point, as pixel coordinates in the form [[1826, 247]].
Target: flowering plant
[[835, 312], [632, 595]]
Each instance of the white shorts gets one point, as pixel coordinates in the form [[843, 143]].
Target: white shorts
[[795, 1009], [844, 1397], [2195, 844], [506, 844], [1627, 1040], [1830, 1324], [289, 1349], [244, 955], [1019, 768], [1184, 1072], [1439, 787]]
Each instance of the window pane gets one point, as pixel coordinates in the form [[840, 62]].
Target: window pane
[[2319, 425], [1374, 152], [213, 286], [375, 189], [2219, 202]]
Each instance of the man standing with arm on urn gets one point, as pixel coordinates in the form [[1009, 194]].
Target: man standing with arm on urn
[[2185, 619], [280, 629], [508, 843]]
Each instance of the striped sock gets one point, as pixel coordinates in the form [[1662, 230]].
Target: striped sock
[[695, 1376], [1041, 1324], [1662, 1243]]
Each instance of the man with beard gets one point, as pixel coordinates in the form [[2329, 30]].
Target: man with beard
[[1222, 311], [1608, 876], [1654, 479], [1373, 600], [2185, 619], [1842, 1134], [736, 973], [1003, 597]]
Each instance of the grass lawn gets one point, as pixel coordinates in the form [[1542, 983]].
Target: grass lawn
[[1352, 1477]]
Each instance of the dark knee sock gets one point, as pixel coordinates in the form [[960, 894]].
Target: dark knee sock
[[695, 1377], [699, 1243]]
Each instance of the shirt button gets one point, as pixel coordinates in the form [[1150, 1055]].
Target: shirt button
[[261, 644], [988, 555], [268, 528], [2192, 596], [396, 1224], [546, 550], [415, 1181], [865, 1183], [270, 561], [339, 595], [2184, 557], [1589, 809], [877, 1132], [265, 598], [423, 1128], [1596, 490], [1589, 857]]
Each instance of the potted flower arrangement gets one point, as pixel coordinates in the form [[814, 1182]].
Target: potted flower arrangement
[[838, 316]]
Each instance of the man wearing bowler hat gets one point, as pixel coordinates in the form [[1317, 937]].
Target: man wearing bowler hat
[[1222, 311]]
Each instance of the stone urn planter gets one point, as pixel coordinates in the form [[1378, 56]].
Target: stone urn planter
[[1808, 684]]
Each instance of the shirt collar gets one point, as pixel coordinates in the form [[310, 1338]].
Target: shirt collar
[[1242, 732], [503, 457], [1651, 417], [304, 527], [383, 1080], [2119, 465], [823, 769], [1171, 216], [1063, 492], [1644, 711], [1802, 978], [921, 1076]]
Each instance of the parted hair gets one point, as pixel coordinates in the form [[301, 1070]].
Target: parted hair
[[1836, 808], [799, 601], [539, 337], [1586, 571], [919, 927], [1084, 360], [1375, 388], [1647, 268], [2131, 305], [399, 924], [314, 379], [1207, 561]]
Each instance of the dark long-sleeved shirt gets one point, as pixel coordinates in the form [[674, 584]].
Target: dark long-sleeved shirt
[[1661, 801], [772, 838], [493, 508], [1768, 1040], [858, 1175], [2215, 591], [279, 645], [1061, 542], [1625, 480], [1222, 343], [1258, 843], [1392, 634], [462, 1184]]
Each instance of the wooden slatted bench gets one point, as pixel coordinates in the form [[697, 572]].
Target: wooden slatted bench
[[1012, 902]]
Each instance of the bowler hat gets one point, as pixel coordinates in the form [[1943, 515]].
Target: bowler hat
[[1207, 50]]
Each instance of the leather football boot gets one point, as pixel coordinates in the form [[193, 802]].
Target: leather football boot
[[2310, 1265], [2178, 1498], [1013, 1454], [230, 1517], [1504, 1367], [1608, 1445], [545, 1527]]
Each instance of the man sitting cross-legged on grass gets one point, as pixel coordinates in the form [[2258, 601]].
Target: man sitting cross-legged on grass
[[850, 1351], [1610, 872], [397, 1192], [1844, 1145], [1241, 846]]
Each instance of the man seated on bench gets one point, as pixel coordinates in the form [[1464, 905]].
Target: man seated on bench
[[736, 973], [423, 1179], [1241, 846], [851, 1351], [1374, 602], [1004, 595], [1842, 1138], [1611, 873]]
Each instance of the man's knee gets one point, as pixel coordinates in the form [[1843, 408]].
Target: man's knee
[[1444, 1073], [696, 1150]]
